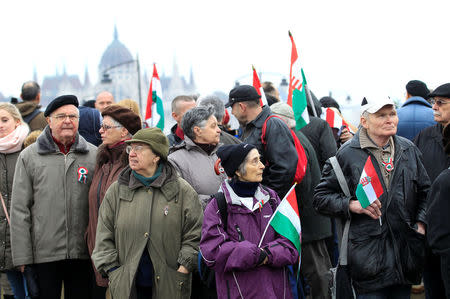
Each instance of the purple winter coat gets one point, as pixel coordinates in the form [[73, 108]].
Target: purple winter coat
[[235, 263]]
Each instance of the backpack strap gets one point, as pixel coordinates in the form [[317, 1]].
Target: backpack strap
[[264, 128], [32, 115], [222, 204]]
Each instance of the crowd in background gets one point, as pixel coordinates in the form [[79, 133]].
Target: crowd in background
[[96, 201]]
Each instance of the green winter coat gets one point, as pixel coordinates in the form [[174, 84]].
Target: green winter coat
[[164, 218]]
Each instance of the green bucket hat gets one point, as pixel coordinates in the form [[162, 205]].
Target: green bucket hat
[[155, 138]]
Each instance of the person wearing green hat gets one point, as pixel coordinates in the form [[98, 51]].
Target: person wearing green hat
[[149, 225]]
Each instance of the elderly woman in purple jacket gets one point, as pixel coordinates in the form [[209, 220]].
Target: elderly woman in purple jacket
[[243, 268]]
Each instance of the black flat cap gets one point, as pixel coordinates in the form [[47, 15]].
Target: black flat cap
[[242, 93], [417, 88], [441, 91], [60, 101]]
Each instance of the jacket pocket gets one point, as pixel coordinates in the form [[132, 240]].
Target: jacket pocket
[[179, 283], [116, 282], [365, 255]]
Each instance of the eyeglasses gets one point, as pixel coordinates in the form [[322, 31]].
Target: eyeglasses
[[438, 102], [137, 149], [61, 117], [106, 127]]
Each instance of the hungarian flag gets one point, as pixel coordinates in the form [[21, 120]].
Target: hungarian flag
[[297, 92], [258, 87], [335, 119], [286, 219], [155, 97], [369, 188]]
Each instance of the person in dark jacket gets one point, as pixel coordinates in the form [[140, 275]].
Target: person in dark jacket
[[119, 124], [315, 227], [430, 143], [438, 222], [180, 105], [90, 120], [386, 243], [249, 261], [281, 161], [416, 113]]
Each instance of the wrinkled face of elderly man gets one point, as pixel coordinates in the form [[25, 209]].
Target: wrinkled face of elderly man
[[63, 123], [381, 124], [441, 110]]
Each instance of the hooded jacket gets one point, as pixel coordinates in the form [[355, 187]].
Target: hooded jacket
[[49, 209], [233, 251], [392, 253], [164, 218], [27, 108]]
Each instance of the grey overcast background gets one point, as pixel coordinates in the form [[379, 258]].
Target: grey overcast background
[[347, 47]]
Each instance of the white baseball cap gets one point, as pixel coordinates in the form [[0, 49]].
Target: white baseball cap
[[372, 105]]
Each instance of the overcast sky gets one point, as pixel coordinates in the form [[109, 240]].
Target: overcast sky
[[348, 47]]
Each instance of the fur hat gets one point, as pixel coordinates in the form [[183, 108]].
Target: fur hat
[[127, 118]]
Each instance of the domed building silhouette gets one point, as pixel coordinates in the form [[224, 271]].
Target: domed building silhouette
[[117, 73]]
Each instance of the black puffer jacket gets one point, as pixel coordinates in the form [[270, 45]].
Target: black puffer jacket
[[391, 254], [279, 155]]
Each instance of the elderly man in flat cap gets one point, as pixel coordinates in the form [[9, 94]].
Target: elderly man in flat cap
[[430, 143], [49, 208]]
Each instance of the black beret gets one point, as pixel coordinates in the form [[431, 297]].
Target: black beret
[[231, 156], [60, 101], [441, 91], [417, 88], [242, 93]]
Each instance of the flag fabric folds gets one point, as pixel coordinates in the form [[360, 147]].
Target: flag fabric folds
[[369, 188], [286, 219], [335, 119], [155, 97], [297, 98], [257, 85]]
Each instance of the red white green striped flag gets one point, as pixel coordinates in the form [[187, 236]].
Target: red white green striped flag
[[369, 188], [286, 220], [335, 119], [257, 85], [155, 96], [297, 93]]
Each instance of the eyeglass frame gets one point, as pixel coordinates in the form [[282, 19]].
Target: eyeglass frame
[[439, 102], [137, 149], [63, 117], [106, 127]]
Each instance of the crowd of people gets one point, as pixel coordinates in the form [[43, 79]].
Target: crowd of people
[[98, 205]]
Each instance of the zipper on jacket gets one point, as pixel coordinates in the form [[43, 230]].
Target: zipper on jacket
[[241, 236], [228, 289]]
